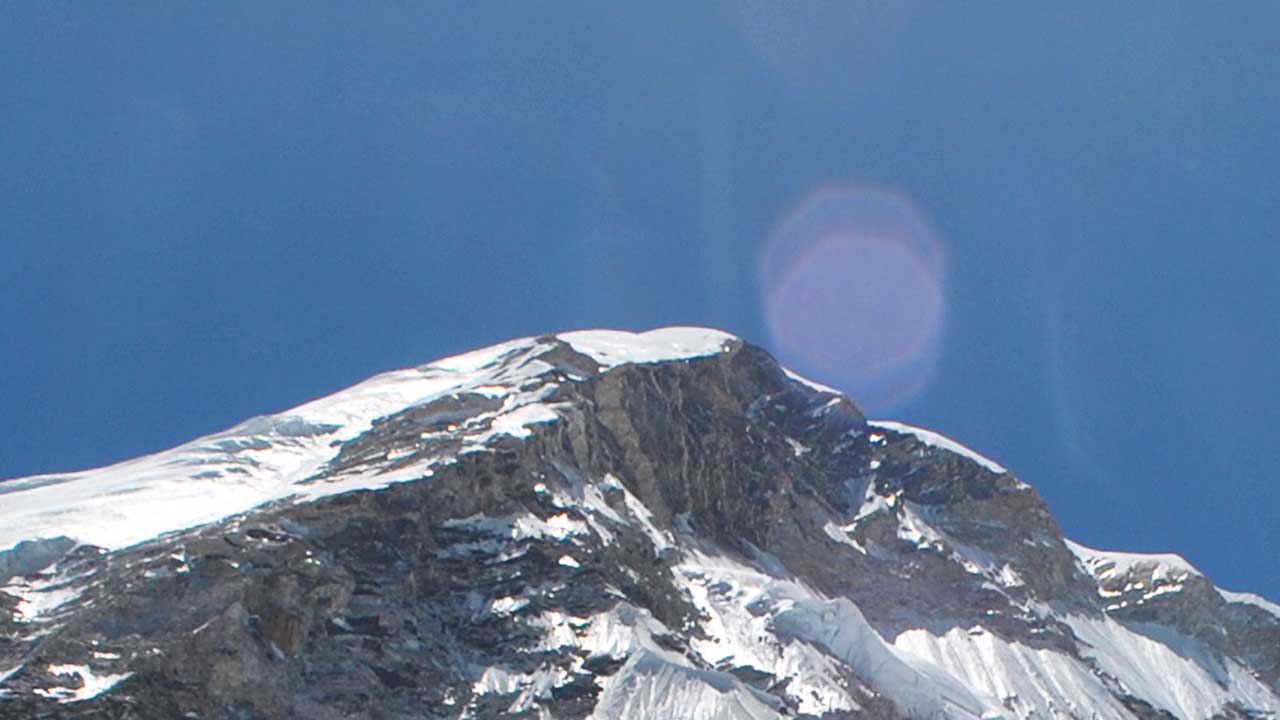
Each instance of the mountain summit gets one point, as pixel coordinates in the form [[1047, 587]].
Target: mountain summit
[[597, 524]]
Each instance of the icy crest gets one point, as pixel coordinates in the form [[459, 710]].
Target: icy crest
[[616, 347], [1250, 599], [1107, 564], [274, 457], [933, 439]]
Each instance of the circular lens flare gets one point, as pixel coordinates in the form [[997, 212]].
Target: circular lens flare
[[853, 294]]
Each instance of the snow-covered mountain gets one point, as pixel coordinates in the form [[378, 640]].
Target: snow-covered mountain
[[595, 525]]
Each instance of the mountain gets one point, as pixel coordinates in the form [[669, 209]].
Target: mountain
[[595, 525]]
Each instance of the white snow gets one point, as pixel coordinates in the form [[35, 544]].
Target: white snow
[[616, 347], [722, 590], [661, 539], [653, 684], [825, 389], [1010, 577], [41, 598], [933, 439], [524, 526], [1031, 681], [210, 478], [841, 535], [91, 685], [1250, 599], [797, 448], [1172, 672], [507, 605], [750, 617], [1166, 673], [282, 456], [532, 686], [792, 632], [1105, 564], [516, 422], [273, 457]]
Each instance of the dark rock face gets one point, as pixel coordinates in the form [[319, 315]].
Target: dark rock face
[[613, 557], [31, 556]]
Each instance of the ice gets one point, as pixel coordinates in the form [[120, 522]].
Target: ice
[[616, 347], [1032, 682], [1177, 674], [918, 687], [783, 628], [724, 592], [1167, 673]]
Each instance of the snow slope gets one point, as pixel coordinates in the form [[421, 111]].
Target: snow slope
[[271, 457]]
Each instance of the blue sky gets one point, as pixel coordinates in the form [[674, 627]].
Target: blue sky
[[208, 213]]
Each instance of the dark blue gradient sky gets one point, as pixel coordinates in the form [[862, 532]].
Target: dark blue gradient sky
[[214, 211]]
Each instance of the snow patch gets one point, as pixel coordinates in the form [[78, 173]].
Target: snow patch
[[661, 539], [798, 448], [529, 687], [654, 685], [825, 389], [1165, 671], [841, 535], [516, 422], [611, 348], [1030, 682], [918, 688], [933, 439], [272, 457], [1250, 599], [41, 597], [91, 685], [1105, 564]]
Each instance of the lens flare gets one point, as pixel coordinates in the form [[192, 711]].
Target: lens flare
[[853, 294]]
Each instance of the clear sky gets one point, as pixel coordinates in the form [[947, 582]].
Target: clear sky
[[1052, 235]]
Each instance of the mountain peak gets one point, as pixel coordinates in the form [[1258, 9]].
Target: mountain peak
[[272, 457], [595, 524]]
